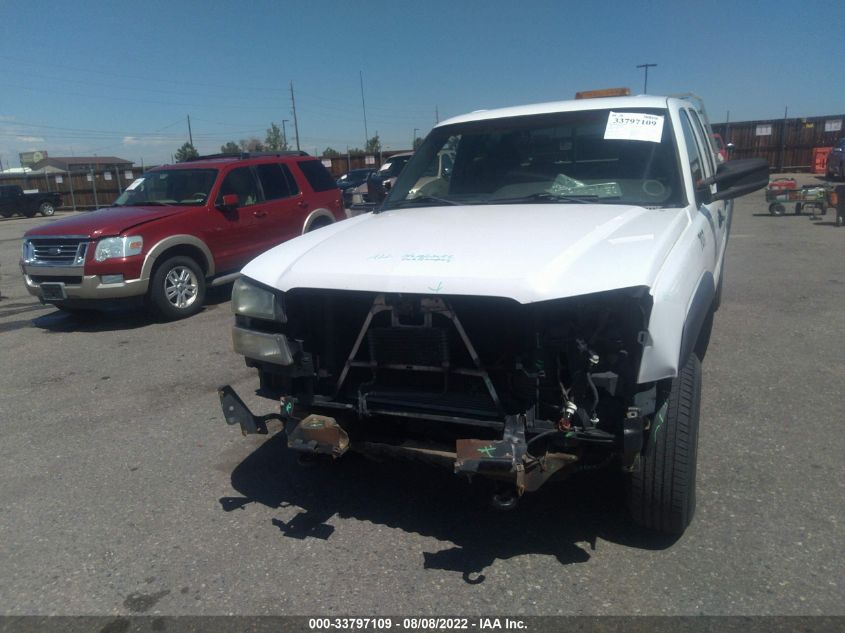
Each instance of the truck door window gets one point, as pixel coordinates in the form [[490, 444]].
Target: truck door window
[[242, 183], [706, 144], [696, 166]]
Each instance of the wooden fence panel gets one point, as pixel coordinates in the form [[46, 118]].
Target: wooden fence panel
[[80, 190], [787, 144]]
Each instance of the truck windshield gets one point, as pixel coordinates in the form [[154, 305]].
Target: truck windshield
[[621, 156], [188, 187]]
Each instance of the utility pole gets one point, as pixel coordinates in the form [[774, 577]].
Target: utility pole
[[284, 134], [436, 115], [190, 136], [364, 108], [414, 138], [295, 122], [646, 67]]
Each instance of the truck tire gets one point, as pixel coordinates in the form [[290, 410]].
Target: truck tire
[[776, 208], [661, 493], [177, 288], [46, 209]]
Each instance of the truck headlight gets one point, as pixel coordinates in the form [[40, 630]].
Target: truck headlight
[[253, 301], [114, 247]]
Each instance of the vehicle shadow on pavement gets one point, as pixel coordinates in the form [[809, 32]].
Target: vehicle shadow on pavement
[[94, 321], [563, 519]]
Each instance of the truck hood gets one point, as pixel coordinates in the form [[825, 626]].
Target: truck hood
[[527, 253], [105, 222]]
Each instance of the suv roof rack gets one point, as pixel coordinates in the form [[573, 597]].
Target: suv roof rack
[[245, 155]]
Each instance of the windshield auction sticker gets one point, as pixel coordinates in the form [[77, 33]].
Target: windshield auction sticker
[[634, 126], [135, 184]]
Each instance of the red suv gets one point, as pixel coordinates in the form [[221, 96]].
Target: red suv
[[179, 228]]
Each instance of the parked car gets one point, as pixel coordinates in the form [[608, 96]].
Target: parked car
[[546, 312], [177, 229], [348, 181], [835, 166], [13, 200]]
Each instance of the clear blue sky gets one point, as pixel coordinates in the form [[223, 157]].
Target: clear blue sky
[[112, 78]]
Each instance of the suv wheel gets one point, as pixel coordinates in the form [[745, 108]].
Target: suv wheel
[[661, 494], [47, 209], [177, 288]]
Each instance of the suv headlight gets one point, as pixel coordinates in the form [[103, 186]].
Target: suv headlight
[[114, 247], [253, 301]]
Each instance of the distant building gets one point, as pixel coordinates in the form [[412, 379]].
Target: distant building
[[61, 164]]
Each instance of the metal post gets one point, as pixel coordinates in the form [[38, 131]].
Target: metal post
[[783, 138], [284, 133], [364, 107], [190, 136], [295, 122], [414, 138], [72, 195], [646, 67], [117, 175], [94, 185]]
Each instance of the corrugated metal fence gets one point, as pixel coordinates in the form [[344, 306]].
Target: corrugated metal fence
[[787, 144]]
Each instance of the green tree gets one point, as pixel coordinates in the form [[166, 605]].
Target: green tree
[[251, 144], [274, 141], [356, 151], [230, 148], [330, 152], [186, 152], [373, 145]]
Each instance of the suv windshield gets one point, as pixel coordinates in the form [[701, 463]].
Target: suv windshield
[[169, 186], [599, 156]]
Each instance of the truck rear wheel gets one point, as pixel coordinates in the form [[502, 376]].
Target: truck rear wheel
[[46, 209], [177, 288], [661, 493]]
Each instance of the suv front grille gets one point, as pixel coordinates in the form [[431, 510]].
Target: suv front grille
[[55, 251]]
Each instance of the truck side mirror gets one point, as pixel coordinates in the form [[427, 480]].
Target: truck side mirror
[[736, 178], [229, 202]]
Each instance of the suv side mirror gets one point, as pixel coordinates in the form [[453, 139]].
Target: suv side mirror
[[229, 202], [736, 178]]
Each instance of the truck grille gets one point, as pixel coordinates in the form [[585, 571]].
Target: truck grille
[[55, 251]]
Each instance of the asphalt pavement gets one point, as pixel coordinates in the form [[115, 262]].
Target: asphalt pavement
[[122, 490]]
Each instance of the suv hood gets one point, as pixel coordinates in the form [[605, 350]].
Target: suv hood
[[527, 253], [105, 222]]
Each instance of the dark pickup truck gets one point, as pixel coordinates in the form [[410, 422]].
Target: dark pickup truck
[[14, 200]]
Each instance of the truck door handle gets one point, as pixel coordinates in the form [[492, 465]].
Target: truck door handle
[[302, 204], [259, 214]]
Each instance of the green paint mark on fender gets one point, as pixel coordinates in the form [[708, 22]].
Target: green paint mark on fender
[[487, 451]]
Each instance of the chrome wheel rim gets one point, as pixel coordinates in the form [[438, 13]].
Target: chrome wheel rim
[[181, 287], [48, 209]]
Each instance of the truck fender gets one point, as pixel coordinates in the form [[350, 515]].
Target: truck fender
[[699, 309]]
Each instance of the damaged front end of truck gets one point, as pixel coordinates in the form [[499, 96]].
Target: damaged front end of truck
[[487, 386]]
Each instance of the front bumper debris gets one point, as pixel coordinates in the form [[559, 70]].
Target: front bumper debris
[[507, 460]]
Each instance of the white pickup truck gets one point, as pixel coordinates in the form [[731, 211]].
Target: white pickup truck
[[541, 308]]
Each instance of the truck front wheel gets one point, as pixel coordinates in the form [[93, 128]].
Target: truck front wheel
[[177, 288], [46, 209], [661, 493]]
